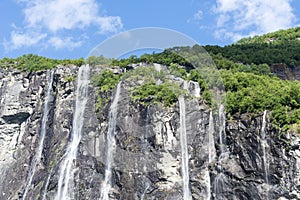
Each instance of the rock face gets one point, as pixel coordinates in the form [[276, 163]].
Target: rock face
[[286, 73], [244, 158]]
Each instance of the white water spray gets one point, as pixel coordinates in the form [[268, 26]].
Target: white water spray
[[65, 183], [196, 88], [264, 145], [39, 152], [211, 143], [184, 151], [211, 152], [111, 144], [222, 125], [220, 179]]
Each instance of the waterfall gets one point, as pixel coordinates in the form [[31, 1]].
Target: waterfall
[[220, 178], [196, 88], [65, 190], [264, 145], [147, 186], [211, 144], [222, 133], [184, 151], [110, 143], [39, 151], [211, 152], [219, 185], [47, 184]]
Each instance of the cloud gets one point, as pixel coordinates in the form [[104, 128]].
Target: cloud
[[60, 43], [26, 39], [198, 15], [58, 15], [56, 18], [238, 19]]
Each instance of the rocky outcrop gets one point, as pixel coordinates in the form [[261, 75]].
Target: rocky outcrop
[[251, 160], [286, 73]]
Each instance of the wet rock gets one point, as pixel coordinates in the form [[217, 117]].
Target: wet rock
[[147, 157]]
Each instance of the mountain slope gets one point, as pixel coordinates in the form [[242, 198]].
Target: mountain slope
[[281, 36]]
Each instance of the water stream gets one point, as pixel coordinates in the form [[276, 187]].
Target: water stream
[[220, 178], [43, 131], [222, 125], [65, 183], [264, 145], [211, 143], [211, 152], [110, 144], [184, 151]]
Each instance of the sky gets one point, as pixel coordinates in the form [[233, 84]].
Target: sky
[[72, 28]]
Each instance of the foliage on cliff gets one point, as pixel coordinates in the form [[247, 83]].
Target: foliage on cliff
[[246, 75], [166, 57], [260, 53], [281, 36], [144, 90], [251, 93], [31, 62]]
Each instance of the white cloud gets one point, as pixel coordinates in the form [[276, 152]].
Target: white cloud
[[111, 24], [67, 42], [19, 40], [237, 19], [198, 15], [58, 18], [56, 15]]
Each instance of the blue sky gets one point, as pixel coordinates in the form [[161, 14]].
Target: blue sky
[[72, 28]]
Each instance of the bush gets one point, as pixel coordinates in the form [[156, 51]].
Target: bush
[[149, 93], [247, 92], [33, 62]]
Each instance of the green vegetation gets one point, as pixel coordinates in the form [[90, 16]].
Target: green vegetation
[[292, 34], [70, 78], [251, 93], [167, 92], [248, 81], [145, 89], [260, 53], [167, 57], [32, 62], [150, 93], [105, 81], [98, 60]]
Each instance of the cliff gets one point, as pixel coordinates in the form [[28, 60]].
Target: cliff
[[54, 145], [286, 73]]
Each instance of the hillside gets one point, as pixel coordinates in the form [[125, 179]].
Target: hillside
[[248, 71], [281, 36]]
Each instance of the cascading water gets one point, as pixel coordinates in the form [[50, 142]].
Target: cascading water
[[211, 152], [147, 185], [264, 145], [220, 178], [211, 143], [196, 88], [219, 185], [184, 151], [65, 185], [110, 144], [39, 152], [222, 133]]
